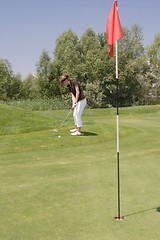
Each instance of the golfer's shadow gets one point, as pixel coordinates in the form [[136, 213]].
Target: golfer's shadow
[[146, 210], [158, 209], [89, 134]]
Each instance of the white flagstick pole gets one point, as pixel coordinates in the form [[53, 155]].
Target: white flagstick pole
[[117, 98], [117, 120]]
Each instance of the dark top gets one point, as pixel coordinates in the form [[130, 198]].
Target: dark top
[[71, 88]]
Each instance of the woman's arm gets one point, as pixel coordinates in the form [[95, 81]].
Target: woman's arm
[[77, 92]]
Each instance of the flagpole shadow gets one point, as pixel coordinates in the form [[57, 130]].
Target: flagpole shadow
[[146, 210]]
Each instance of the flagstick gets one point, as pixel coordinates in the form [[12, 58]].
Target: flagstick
[[117, 119]]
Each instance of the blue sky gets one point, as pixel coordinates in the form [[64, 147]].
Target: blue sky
[[29, 26]]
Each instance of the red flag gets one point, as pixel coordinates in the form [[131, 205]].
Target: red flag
[[113, 28]]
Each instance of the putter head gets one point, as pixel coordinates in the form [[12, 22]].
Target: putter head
[[55, 130]]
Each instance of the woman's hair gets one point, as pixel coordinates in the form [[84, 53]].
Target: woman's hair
[[64, 77]]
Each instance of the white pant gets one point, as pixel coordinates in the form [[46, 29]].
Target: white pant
[[77, 113]]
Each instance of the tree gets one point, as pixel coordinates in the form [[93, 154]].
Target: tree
[[132, 82], [94, 65], [43, 74], [6, 75], [29, 87], [131, 45], [15, 87], [67, 59], [153, 54], [68, 53], [87, 60], [132, 66]]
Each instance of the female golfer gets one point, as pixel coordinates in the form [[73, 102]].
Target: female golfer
[[78, 102]]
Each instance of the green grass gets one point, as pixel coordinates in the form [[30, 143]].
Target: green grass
[[66, 189]]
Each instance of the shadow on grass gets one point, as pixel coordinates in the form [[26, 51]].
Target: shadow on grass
[[158, 209], [146, 210], [89, 134]]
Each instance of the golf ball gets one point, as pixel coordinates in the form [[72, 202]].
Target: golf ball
[[59, 136]]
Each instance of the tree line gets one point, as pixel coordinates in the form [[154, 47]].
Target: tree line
[[87, 60]]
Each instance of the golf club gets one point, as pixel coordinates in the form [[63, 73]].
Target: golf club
[[56, 130]]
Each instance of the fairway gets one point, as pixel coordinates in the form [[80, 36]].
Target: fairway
[[66, 188]]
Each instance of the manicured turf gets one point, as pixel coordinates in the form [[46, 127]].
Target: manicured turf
[[66, 188]]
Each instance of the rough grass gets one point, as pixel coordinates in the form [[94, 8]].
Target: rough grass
[[66, 189], [40, 104]]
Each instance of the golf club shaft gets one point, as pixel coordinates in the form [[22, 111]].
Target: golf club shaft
[[65, 119]]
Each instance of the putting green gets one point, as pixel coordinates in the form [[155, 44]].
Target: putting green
[[66, 188]]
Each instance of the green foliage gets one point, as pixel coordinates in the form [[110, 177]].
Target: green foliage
[[153, 75], [43, 74], [10, 84], [15, 88], [86, 59], [5, 78], [154, 51], [29, 87], [94, 95], [68, 53], [131, 45], [90, 48], [89, 42]]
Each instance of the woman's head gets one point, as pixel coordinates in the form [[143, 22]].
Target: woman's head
[[64, 78]]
